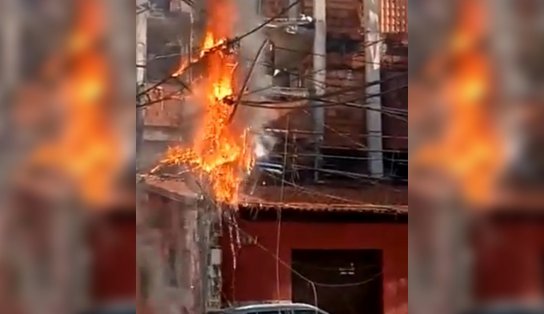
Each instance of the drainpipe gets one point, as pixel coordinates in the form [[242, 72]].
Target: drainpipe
[[320, 75], [373, 47]]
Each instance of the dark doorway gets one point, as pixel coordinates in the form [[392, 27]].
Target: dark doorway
[[346, 281]]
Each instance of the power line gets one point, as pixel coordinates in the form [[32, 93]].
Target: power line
[[266, 104], [227, 43], [347, 174], [342, 87], [279, 260], [306, 77], [294, 99], [297, 273], [270, 20], [246, 81], [316, 193]]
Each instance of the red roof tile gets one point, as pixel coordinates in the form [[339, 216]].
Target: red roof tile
[[378, 198]]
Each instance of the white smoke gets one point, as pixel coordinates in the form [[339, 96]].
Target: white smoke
[[252, 117], [248, 19], [264, 145]]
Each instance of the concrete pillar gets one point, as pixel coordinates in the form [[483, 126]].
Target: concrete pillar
[[141, 57], [320, 75], [373, 48]]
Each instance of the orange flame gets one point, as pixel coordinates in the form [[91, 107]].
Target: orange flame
[[86, 150], [209, 44], [470, 150], [218, 152]]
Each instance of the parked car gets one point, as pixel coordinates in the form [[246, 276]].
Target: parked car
[[276, 308]]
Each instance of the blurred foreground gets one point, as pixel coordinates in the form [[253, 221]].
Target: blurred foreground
[[67, 231], [67, 130], [476, 170]]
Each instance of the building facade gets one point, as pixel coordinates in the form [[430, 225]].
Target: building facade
[[343, 262], [269, 250]]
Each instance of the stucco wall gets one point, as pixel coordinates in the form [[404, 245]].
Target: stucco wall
[[255, 275]]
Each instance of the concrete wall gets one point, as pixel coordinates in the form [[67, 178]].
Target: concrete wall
[[169, 273]]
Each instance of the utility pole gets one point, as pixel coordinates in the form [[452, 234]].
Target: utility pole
[[141, 39], [320, 76], [373, 47]]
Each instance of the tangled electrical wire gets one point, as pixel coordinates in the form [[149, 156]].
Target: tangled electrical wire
[[336, 95], [230, 45]]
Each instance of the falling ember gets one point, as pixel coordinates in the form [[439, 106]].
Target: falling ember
[[219, 153], [470, 149], [86, 150]]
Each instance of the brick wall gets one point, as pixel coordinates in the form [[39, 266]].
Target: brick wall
[[346, 67], [345, 126], [395, 129], [344, 17]]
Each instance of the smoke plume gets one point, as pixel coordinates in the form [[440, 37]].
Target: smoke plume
[[248, 19]]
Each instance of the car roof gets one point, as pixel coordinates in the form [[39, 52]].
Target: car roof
[[290, 306]]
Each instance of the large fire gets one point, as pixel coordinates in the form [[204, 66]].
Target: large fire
[[469, 149], [86, 149], [219, 154]]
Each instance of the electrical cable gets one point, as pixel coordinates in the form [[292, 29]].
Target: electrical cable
[[300, 275], [227, 43], [326, 103], [246, 81], [332, 93], [267, 22]]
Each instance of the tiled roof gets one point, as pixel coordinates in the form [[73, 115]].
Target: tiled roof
[[372, 199], [394, 16]]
